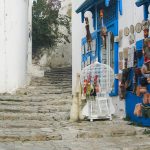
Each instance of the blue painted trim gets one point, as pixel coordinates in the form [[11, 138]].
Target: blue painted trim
[[82, 17], [142, 2], [107, 3], [116, 70], [120, 7], [146, 11], [88, 4], [116, 51]]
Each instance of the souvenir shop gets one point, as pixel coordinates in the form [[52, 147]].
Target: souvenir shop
[[130, 66], [135, 83], [100, 56]]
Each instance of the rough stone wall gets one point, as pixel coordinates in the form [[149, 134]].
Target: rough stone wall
[[61, 55]]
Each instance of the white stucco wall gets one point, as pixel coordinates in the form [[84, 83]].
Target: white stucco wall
[[77, 34], [131, 16], [13, 44], [29, 52]]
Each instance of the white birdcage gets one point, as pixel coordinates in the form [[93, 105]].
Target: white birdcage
[[101, 107]]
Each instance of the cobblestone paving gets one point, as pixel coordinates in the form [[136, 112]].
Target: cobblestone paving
[[37, 118]]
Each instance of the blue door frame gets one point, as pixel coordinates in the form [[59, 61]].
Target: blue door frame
[[112, 26]]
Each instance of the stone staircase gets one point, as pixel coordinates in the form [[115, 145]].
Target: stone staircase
[[37, 118], [33, 113]]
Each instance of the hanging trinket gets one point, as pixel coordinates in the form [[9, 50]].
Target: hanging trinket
[[97, 84], [103, 29], [85, 87], [88, 34]]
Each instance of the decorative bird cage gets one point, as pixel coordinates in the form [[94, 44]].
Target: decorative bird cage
[[97, 82]]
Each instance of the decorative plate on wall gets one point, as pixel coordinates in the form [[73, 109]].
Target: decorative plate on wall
[[138, 27], [132, 29], [126, 31]]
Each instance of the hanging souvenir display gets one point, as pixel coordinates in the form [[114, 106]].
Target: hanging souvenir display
[[88, 34], [103, 29], [143, 74]]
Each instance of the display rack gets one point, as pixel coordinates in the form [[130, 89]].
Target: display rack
[[99, 105]]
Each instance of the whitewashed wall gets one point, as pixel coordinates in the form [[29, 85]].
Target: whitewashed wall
[[29, 52], [77, 34], [131, 16], [13, 44]]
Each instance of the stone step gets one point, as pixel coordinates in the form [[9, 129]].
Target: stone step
[[40, 90], [32, 98], [35, 109], [28, 134], [50, 79], [57, 102], [58, 75], [27, 124], [70, 133], [34, 116], [59, 70], [46, 88], [64, 68], [53, 81]]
